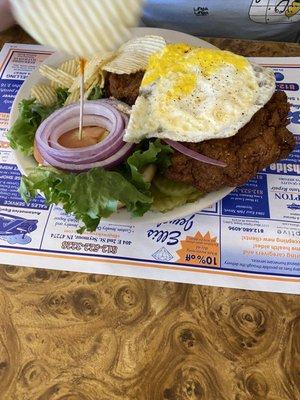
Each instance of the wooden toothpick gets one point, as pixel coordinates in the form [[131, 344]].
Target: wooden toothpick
[[80, 131]]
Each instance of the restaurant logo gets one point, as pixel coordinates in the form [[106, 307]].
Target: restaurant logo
[[15, 230], [170, 232]]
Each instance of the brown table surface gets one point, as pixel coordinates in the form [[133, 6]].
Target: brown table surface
[[72, 336]]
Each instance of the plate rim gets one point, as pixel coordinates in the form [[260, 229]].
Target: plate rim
[[122, 215]]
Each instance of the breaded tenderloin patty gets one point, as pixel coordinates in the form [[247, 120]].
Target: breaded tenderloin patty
[[124, 87], [264, 140]]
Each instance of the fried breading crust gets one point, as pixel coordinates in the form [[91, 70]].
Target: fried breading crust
[[124, 87], [264, 140]]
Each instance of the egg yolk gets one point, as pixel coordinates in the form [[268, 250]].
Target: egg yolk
[[178, 60]]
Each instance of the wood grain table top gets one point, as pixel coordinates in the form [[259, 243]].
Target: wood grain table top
[[72, 336]]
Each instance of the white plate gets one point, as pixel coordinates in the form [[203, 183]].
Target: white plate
[[26, 163]]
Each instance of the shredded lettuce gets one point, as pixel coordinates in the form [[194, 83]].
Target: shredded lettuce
[[31, 114]]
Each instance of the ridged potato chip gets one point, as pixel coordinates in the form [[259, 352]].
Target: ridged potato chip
[[148, 44], [91, 87], [92, 70], [101, 79], [56, 75], [80, 27], [73, 97], [56, 85], [133, 56], [71, 67], [44, 94]]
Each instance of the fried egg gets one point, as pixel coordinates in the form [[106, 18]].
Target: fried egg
[[191, 94]]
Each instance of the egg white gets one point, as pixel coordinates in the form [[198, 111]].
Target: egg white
[[218, 106]]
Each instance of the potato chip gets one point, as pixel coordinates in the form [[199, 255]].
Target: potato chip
[[81, 27], [56, 75], [133, 56], [91, 87], [44, 94], [71, 67], [92, 70], [127, 63], [101, 79], [73, 97], [147, 44], [55, 85]]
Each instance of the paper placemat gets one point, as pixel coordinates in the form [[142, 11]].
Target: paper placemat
[[250, 239]]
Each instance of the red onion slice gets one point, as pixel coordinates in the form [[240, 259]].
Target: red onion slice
[[64, 120], [110, 162], [193, 154], [107, 153]]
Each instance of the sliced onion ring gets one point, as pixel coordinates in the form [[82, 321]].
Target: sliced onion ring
[[107, 153], [193, 154]]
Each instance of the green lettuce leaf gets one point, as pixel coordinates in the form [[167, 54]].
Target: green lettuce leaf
[[95, 194], [89, 195], [157, 153], [31, 114], [62, 94], [96, 93]]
